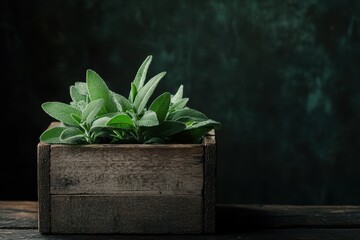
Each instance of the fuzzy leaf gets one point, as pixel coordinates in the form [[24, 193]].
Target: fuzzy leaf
[[133, 93], [75, 95], [52, 135], [122, 121], [192, 135], [161, 106], [178, 95], [195, 132], [98, 90], [91, 110], [81, 105], [61, 111], [99, 123], [145, 93], [72, 135], [188, 113], [207, 123], [141, 73], [165, 129], [124, 103], [76, 118], [180, 104], [148, 120], [81, 87]]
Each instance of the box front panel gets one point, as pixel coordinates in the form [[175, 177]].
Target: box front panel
[[118, 169], [127, 214], [127, 189]]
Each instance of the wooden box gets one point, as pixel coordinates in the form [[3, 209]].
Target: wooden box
[[134, 188]]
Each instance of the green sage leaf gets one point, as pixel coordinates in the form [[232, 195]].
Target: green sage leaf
[[122, 121], [179, 105], [178, 95], [81, 87], [99, 123], [61, 111], [195, 132], [75, 95], [192, 135], [91, 110], [145, 93], [72, 135], [133, 93], [161, 106], [165, 129], [141, 73], [207, 123], [149, 119], [76, 118], [52, 135], [98, 90], [188, 113], [124, 103]]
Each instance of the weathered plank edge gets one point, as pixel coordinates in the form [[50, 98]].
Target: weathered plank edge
[[127, 214], [44, 215], [18, 215], [285, 216], [231, 219], [209, 183], [268, 234]]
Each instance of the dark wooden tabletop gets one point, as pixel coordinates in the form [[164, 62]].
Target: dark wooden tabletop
[[18, 220]]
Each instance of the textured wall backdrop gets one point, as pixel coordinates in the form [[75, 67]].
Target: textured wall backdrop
[[282, 76]]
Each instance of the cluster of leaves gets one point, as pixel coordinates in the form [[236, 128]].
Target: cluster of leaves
[[98, 115]]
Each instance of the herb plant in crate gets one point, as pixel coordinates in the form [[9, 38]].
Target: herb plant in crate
[[113, 164]]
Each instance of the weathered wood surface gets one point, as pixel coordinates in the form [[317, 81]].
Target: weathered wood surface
[[130, 173], [284, 216], [278, 234], [126, 214], [43, 151], [230, 217], [18, 221], [209, 183], [167, 169], [19, 215]]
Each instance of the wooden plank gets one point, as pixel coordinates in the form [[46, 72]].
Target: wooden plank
[[209, 183], [126, 214], [273, 234], [43, 157], [285, 216], [300, 234], [18, 215], [88, 169], [18, 221]]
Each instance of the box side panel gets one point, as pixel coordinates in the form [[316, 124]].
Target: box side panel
[[43, 158], [156, 214], [209, 184], [94, 170]]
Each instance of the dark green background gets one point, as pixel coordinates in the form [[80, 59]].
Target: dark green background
[[282, 76]]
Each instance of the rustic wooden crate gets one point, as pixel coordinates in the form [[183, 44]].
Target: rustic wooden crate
[[130, 188]]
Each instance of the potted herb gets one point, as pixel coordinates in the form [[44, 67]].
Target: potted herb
[[113, 164]]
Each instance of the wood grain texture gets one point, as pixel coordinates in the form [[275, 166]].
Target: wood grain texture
[[112, 169], [134, 188], [18, 220], [126, 214], [209, 183], [20, 215], [272, 234], [43, 158], [285, 216]]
